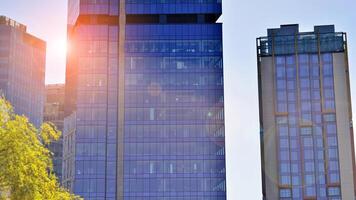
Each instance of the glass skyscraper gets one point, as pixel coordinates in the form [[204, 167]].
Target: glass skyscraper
[[22, 69], [305, 113], [145, 79]]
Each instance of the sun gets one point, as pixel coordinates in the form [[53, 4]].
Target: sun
[[58, 46]]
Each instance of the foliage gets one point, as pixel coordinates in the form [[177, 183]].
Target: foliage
[[26, 169]]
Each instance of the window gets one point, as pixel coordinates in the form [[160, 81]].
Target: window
[[304, 83], [281, 120], [285, 180], [306, 131], [285, 168], [303, 58], [285, 193], [314, 59], [334, 191], [281, 71], [333, 165], [297, 193], [292, 107], [327, 70], [309, 179], [320, 154], [315, 71], [334, 178], [290, 60], [307, 141], [322, 179], [309, 155], [291, 72], [282, 107], [333, 154], [329, 104], [316, 95], [328, 82], [309, 166], [281, 84], [310, 190], [293, 131], [294, 143], [305, 94], [296, 180], [284, 155], [294, 155], [295, 168], [280, 60], [316, 106], [332, 141], [306, 106], [283, 130], [329, 117], [292, 120], [291, 85], [329, 93], [303, 70], [327, 58], [281, 96]]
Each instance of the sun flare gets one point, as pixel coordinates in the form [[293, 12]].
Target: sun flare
[[59, 46]]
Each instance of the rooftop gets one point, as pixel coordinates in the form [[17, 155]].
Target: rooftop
[[288, 40], [293, 29], [10, 22]]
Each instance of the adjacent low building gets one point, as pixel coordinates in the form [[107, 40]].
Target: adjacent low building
[[54, 112], [68, 164]]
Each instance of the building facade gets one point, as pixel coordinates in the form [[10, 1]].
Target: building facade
[[305, 113], [68, 164], [22, 69], [146, 81], [54, 112]]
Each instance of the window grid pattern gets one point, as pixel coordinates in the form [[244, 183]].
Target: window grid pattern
[[96, 134], [99, 7], [172, 6], [306, 127], [174, 116], [22, 73]]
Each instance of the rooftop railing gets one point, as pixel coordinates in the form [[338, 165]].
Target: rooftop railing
[[301, 43]]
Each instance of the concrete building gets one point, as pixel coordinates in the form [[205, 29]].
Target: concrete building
[[22, 69], [305, 113], [145, 79]]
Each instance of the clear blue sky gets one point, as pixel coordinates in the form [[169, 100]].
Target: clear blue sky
[[243, 22]]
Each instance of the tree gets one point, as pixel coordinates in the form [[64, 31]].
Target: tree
[[26, 169]]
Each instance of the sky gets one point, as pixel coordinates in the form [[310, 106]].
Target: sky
[[243, 22]]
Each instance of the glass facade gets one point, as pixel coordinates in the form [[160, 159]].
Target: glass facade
[[173, 143], [307, 137], [95, 155], [174, 116], [308, 164], [22, 70], [173, 6]]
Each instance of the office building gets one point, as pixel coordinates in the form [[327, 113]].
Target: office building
[[145, 79], [305, 113], [68, 164], [22, 69], [54, 113]]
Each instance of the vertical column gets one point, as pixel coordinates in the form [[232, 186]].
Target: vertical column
[[121, 103], [343, 121]]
